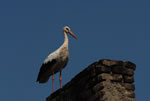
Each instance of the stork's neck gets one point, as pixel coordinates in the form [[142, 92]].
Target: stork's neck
[[65, 44]]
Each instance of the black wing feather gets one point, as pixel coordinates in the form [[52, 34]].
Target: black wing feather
[[44, 75]]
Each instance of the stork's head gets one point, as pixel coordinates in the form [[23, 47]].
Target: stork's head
[[68, 30]]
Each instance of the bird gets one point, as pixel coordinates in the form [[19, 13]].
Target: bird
[[56, 61]]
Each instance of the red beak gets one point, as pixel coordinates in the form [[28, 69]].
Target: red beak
[[72, 35]]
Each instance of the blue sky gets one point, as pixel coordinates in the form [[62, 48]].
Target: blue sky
[[31, 29]]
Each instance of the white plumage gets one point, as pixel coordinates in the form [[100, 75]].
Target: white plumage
[[56, 61]]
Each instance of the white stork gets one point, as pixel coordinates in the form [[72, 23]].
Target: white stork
[[55, 61]]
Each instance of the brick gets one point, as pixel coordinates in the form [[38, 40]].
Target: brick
[[128, 86], [130, 65], [116, 78], [118, 69], [128, 72], [104, 76], [130, 94], [128, 79], [102, 69], [98, 87], [110, 63]]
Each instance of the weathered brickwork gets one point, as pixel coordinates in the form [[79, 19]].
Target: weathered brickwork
[[105, 80]]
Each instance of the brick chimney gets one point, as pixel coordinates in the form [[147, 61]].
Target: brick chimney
[[105, 80]]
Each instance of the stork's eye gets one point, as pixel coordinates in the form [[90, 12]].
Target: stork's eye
[[67, 28]]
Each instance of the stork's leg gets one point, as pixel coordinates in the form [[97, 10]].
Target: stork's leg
[[60, 79], [53, 81]]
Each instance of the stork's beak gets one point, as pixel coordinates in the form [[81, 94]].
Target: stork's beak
[[72, 34]]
